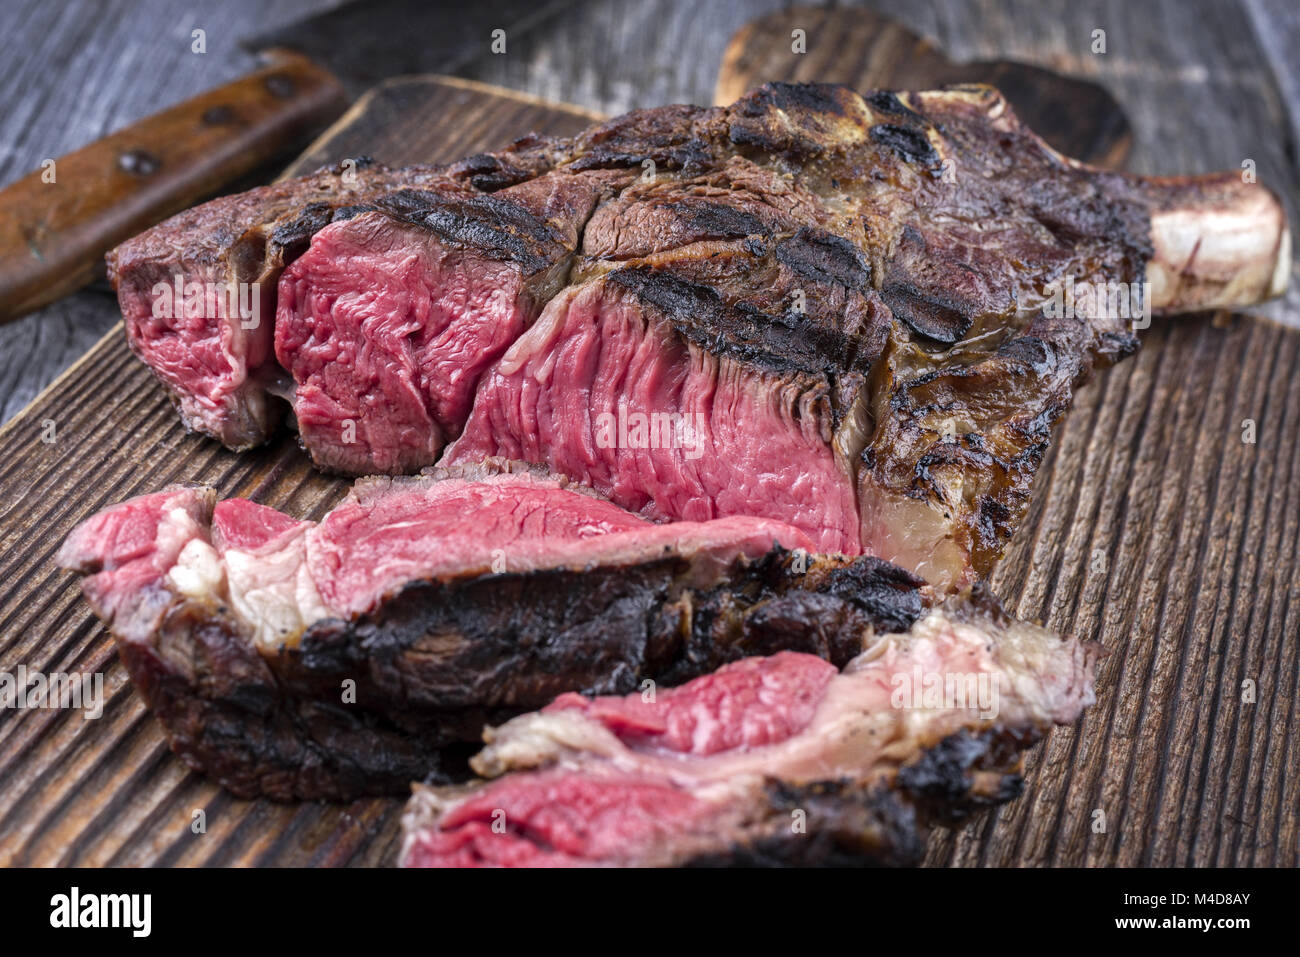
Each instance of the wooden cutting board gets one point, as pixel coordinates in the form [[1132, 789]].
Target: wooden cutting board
[[1154, 529]]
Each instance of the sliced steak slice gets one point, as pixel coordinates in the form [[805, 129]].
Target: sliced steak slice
[[388, 320], [768, 760], [727, 383], [197, 292], [300, 660], [210, 340]]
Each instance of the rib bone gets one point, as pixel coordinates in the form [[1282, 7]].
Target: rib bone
[[1218, 242]]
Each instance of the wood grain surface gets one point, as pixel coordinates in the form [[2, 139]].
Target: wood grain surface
[[1155, 529]]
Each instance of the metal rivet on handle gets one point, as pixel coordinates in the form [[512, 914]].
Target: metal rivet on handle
[[139, 163]]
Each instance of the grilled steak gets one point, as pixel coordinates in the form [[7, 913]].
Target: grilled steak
[[769, 760], [877, 360], [297, 659], [848, 314]]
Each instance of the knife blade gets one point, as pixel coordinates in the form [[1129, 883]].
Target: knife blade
[[363, 43], [57, 222]]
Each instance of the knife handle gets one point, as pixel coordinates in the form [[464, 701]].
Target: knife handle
[[57, 222]]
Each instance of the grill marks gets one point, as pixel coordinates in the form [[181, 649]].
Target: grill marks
[[927, 298], [738, 329], [825, 258], [911, 144], [496, 225], [889, 302]]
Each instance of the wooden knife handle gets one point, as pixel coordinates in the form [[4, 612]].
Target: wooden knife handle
[[57, 222]]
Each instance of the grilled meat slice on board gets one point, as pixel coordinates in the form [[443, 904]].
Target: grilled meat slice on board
[[296, 659], [769, 760]]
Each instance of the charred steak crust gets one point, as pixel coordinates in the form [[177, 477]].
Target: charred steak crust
[[942, 781], [488, 224], [767, 760], [847, 826], [823, 611], [518, 640], [439, 661], [785, 343], [227, 714]]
